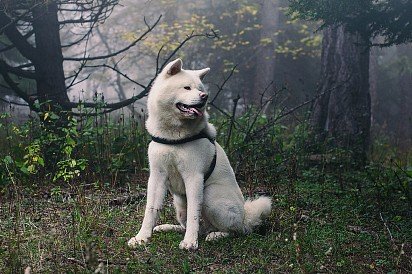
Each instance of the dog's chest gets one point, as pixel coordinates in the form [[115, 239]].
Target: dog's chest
[[175, 182], [168, 159]]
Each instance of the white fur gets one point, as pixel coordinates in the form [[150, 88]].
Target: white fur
[[215, 207], [213, 236], [168, 227], [255, 211]]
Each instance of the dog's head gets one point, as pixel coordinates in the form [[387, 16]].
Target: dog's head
[[179, 92]]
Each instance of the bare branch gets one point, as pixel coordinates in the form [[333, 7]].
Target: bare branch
[[15, 20], [188, 38], [96, 12], [258, 113], [28, 65], [117, 71], [16, 37], [220, 110], [232, 121], [117, 52], [12, 46], [110, 107], [76, 74], [158, 57], [14, 86], [16, 71], [285, 112], [223, 84], [78, 82], [13, 103], [118, 105]]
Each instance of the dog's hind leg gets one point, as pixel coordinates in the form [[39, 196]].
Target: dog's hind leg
[[180, 204], [181, 214], [169, 227]]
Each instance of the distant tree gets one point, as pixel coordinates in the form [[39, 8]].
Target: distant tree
[[342, 111], [265, 59], [286, 48], [393, 97]]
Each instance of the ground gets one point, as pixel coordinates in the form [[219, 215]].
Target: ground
[[313, 228]]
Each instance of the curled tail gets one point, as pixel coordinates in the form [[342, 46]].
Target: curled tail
[[256, 211]]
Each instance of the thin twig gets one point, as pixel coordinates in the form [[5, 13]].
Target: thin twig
[[386, 226], [291, 110], [118, 72], [223, 84], [74, 260], [232, 120], [13, 103]]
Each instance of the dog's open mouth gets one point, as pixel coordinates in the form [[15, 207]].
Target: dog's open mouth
[[191, 110]]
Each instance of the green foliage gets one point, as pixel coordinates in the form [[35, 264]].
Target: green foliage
[[262, 146], [389, 19], [77, 150], [67, 167], [297, 38]]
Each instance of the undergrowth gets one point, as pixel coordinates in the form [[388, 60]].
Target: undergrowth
[[72, 196]]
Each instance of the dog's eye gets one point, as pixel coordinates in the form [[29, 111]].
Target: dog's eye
[[187, 87]]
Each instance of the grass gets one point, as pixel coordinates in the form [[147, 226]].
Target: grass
[[315, 226]]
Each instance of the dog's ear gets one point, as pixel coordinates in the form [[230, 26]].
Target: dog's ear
[[202, 73], [174, 67]]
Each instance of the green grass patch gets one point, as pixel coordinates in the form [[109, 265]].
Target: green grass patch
[[314, 227]]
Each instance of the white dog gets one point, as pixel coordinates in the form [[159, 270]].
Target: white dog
[[185, 159]]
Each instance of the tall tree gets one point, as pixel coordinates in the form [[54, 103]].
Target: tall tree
[[404, 124], [47, 58], [373, 81], [342, 110]]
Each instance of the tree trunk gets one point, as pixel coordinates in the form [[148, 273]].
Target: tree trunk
[[265, 59], [373, 82], [50, 81], [342, 112], [51, 86], [404, 123]]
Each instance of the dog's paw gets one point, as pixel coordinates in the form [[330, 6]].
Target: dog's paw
[[137, 240], [213, 236], [188, 245]]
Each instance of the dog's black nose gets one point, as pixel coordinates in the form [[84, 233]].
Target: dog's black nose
[[203, 96]]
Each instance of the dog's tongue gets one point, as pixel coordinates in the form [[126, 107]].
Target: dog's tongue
[[195, 110]]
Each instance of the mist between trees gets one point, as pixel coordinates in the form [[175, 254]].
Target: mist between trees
[[56, 55]]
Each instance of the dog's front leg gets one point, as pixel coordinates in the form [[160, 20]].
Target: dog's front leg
[[194, 195], [156, 191]]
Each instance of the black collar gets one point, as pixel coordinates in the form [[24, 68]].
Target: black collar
[[201, 135], [198, 136]]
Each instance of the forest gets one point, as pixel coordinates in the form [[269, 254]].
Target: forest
[[311, 101]]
